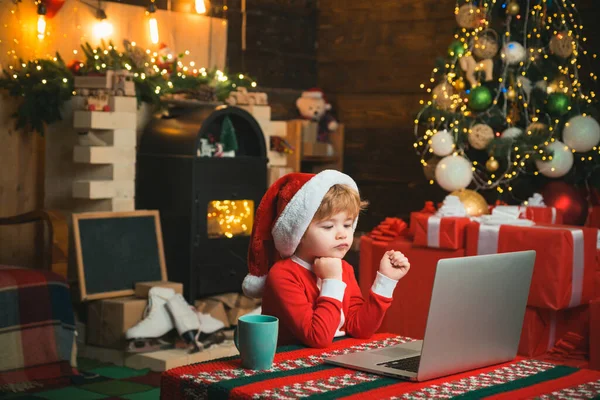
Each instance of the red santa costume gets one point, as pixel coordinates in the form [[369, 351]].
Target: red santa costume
[[310, 311]]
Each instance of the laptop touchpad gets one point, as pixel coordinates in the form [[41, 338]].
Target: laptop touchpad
[[396, 352]]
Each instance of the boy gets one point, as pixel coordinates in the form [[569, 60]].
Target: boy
[[303, 228]]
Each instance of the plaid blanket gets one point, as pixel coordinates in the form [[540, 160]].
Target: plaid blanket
[[37, 328], [301, 372]]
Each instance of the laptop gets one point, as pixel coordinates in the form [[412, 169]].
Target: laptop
[[475, 320]]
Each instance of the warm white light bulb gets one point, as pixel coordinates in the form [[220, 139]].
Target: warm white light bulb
[[41, 27], [200, 7], [153, 30], [103, 29]]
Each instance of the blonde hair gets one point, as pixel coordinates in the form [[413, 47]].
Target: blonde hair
[[340, 198]]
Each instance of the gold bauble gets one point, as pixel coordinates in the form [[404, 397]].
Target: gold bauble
[[474, 203], [486, 45], [468, 16], [429, 169], [442, 95], [513, 8], [492, 164], [511, 94], [536, 128], [459, 84], [480, 136], [562, 84], [562, 44]]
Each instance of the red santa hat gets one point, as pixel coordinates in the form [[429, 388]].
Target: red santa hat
[[282, 217], [316, 93]]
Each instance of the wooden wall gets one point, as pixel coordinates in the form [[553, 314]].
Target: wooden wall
[[372, 57]]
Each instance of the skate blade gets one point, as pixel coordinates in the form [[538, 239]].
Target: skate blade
[[148, 345]]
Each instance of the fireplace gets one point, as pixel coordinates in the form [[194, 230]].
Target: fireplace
[[206, 204]]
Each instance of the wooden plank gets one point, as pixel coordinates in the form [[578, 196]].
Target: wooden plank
[[374, 40], [359, 111], [21, 188], [388, 75], [280, 70], [334, 11]]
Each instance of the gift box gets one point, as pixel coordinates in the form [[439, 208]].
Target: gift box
[[595, 334], [565, 263], [562, 334], [109, 319], [543, 215], [438, 232], [407, 315]]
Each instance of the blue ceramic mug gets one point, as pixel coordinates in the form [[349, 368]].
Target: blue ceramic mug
[[256, 340]]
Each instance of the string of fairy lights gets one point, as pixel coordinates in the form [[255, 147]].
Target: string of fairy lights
[[459, 112]]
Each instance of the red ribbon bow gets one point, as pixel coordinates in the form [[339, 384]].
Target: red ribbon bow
[[389, 229], [429, 208]]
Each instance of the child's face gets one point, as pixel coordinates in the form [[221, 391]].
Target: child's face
[[331, 237]]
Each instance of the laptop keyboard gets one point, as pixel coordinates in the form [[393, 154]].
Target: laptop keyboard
[[405, 364]]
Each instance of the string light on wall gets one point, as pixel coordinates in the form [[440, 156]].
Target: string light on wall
[[200, 7], [153, 23], [41, 22], [102, 29]]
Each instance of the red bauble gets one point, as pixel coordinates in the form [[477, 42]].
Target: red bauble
[[568, 199], [52, 7], [74, 66]]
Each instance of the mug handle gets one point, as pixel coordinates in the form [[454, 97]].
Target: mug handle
[[236, 338]]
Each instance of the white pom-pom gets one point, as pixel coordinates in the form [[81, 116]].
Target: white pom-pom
[[253, 285]]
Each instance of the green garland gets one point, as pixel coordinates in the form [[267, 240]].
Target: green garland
[[43, 86]]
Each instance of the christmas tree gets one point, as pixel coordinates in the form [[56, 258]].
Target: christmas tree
[[227, 137], [513, 101]]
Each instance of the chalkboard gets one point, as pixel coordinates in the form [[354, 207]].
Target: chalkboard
[[117, 249]]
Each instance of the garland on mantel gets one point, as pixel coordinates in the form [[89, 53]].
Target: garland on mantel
[[43, 86]]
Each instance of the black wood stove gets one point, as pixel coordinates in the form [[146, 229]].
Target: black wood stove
[[206, 204]]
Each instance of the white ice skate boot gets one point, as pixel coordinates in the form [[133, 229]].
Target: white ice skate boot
[[145, 336], [185, 319]]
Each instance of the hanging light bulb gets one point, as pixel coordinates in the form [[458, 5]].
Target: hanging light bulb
[[41, 23], [200, 7], [102, 29], [153, 23]]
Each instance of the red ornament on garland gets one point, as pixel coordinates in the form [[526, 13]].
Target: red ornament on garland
[[53, 6], [74, 66], [568, 199]]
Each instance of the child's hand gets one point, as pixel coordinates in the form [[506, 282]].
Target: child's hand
[[394, 265], [328, 268]]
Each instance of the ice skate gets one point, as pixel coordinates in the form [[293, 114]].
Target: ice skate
[[186, 321], [146, 335]]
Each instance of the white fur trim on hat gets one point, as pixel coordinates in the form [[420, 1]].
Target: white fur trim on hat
[[299, 212], [313, 94], [253, 285]]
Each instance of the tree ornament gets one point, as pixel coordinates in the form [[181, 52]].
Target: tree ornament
[[561, 163], [74, 66], [511, 133], [568, 199], [470, 66], [492, 164], [537, 128], [442, 95], [480, 98], [459, 84], [429, 168], [558, 104], [457, 49], [513, 8], [474, 203], [486, 45], [561, 84], [581, 133], [468, 16], [562, 45], [526, 85], [453, 173], [514, 53], [511, 94], [442, 143], [480, 136]]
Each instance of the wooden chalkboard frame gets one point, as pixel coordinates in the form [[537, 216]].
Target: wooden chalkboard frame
[[124, 214]]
